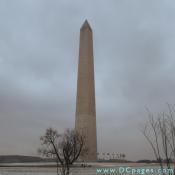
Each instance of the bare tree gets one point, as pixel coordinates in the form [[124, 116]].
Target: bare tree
[[160, 133], [65, 148], [171, 136]]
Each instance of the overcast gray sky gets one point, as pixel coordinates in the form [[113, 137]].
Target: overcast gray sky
[[134, 55]]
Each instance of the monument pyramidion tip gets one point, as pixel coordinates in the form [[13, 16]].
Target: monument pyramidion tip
[[86, 25]]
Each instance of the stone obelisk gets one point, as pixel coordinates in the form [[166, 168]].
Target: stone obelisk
[[85, 122]]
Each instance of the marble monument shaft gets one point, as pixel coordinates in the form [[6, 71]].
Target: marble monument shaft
[[85, 122]]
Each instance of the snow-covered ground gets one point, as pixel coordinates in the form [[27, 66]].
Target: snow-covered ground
[[94, 169]]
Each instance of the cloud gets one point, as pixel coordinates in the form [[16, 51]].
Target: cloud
[[134, 69]]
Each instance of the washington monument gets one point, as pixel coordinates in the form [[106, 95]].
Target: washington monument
[[85, 122]]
